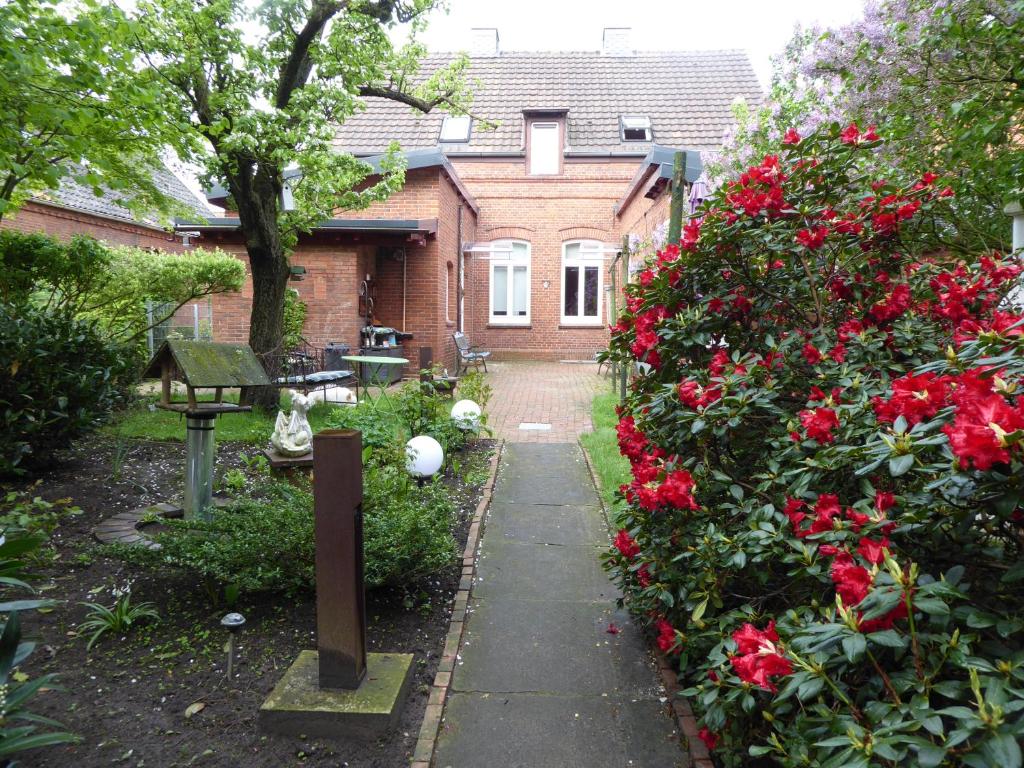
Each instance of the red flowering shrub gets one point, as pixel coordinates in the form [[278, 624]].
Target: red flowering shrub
[[826, 434]]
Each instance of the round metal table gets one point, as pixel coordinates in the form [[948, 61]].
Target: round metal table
[[377, 363]]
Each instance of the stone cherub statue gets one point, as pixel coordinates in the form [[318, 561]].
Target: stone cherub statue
[[292, 434]]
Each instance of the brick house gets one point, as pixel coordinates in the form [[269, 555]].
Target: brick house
[[73, 209], [508, 234]]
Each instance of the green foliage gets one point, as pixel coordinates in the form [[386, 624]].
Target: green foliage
[[21, 729], [89, 280], [611, 468], [294, 318], [75, 103], [117, 619], [473, 386], [61, 379], [24, 514], [825, 434], [422, 410], [264, 541]]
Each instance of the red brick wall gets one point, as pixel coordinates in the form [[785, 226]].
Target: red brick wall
[[63, 223], [547, 212]]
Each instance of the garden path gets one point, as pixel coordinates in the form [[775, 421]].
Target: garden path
[[538, 392], [539, 681]]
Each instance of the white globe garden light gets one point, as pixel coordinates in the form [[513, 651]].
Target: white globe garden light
[[466, 414], [423, 456]]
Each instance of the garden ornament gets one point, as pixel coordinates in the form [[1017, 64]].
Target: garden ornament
[[292, 434]]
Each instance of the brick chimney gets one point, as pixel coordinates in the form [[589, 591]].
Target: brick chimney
[[484, 41], [616, 41]]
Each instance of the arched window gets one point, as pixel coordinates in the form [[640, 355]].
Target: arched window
[[582, 268], [510, 282]]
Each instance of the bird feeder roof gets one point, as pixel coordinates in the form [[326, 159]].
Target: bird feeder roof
[[208, 364]]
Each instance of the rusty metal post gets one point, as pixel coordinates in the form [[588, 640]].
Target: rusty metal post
[[338, 530]]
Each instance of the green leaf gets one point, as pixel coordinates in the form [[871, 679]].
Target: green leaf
[[854, 647], [900, 465]]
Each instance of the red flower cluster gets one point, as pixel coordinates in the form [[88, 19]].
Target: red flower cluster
[[626, 544], [693, 395], [811, 354], [710, 739], [674, 490], [983, 420], [759, 659], [892, 306], [759, 189], [791, 137], [853, 582], [646, 340], [819, 424], [915, 398], [851, 134], [633, 444], [812, 238], [666, 636]]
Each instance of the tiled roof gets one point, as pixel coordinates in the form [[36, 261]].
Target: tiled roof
[[687, 96], [80, 197]]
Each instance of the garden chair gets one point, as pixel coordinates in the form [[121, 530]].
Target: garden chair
[[467, 354]]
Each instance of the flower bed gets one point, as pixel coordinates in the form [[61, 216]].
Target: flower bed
[[825, 436]]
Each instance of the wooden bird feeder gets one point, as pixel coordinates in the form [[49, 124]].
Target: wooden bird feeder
[[202, 365]]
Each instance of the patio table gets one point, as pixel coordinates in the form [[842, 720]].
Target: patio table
[[376, 363]]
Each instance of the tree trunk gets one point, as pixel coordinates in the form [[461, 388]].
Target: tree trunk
[[256, 196]]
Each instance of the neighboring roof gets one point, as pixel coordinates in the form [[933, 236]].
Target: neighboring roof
[[415, 159], [687, 95], [385, 226], [660, 164], [79, 197]]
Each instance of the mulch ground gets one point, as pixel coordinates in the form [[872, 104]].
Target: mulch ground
[[127, 698]]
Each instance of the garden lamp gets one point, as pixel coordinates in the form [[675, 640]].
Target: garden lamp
[[424, 456], [466, 415], [233, 623]]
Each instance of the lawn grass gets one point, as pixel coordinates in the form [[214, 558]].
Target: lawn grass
[[602, 446], [144, 421]]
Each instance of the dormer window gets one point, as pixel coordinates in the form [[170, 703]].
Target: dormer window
[[455, 128], [635, 128]]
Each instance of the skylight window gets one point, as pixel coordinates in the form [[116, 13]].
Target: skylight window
[[455, 128], [635, 128]]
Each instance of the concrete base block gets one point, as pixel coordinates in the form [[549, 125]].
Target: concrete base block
[[298, 707]]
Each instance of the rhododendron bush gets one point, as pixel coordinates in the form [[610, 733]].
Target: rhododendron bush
[[826, 434]]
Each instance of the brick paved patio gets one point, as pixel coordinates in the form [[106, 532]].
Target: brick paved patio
[[538, 392]]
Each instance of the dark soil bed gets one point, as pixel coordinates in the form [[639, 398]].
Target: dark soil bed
[[128, 697]]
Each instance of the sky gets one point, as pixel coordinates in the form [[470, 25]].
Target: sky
[[762, 27]]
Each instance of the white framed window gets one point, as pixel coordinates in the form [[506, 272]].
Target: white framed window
[[582, 278], [545, 148], [455, 128], [635, 128], [510, 282]]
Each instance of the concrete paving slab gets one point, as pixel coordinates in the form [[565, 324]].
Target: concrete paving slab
[[540, 524], [516, 731], [521, 646], [545, 460], [552, 572], [545, 489]]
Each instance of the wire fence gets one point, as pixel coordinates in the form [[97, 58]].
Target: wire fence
[[193, 321]]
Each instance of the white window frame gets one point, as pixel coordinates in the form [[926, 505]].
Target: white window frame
[[455, 129], [635, 123], [502, 255], [558, 149], [591, 254]]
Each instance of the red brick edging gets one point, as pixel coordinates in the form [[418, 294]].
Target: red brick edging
[[698, 752], [427, 739]]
